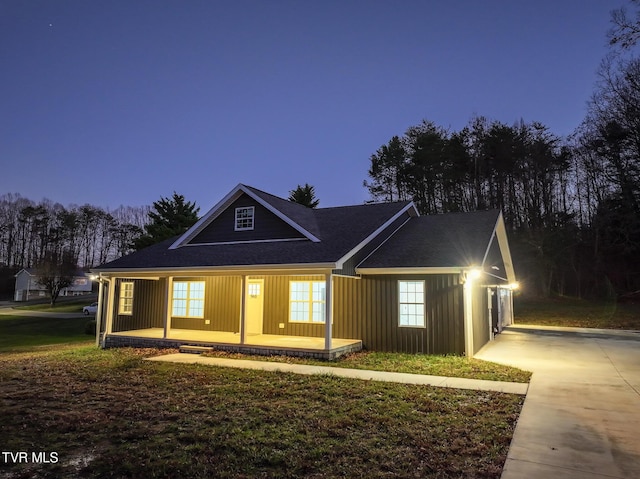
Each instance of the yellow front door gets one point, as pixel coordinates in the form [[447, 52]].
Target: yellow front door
[[254, 301]]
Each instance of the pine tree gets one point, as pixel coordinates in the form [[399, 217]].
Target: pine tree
[[168, 218]]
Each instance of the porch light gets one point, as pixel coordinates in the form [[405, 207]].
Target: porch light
[[513, 286], [474, 273]]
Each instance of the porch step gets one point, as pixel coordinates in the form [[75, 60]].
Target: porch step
[[195, 349]]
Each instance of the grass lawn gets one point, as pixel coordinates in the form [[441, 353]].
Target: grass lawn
[[452, 366], [579, 313], [61, 306], [19, 332], [111, 414]]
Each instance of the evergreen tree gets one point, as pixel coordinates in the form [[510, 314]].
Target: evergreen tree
[[168, 217], [305, 196]]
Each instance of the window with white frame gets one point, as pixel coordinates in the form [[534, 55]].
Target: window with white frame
[[188, 299], [244, 218], [411, 304], [307, 301], [125, 303]]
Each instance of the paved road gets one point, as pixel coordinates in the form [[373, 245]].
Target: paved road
[[581, 417]]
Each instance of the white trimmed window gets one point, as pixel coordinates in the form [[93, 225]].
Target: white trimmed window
[[188, 299], [125, 303], [411, 304], [244, 218], [307, 301]]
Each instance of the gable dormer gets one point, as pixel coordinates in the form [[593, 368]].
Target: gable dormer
[[245, 220], [249, 215]]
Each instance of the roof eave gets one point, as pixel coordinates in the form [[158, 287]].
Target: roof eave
[[415, 270], [368, 239], [249, 269]]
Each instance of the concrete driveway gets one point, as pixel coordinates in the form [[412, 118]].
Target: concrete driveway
[[581, 417]]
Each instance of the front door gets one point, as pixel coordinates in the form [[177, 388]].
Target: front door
[[254, 300]]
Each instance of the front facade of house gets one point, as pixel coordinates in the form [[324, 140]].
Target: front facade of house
[[27, 286], [260, 274]]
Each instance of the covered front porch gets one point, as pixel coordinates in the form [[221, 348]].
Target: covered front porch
[[263, 344], [266, 312]]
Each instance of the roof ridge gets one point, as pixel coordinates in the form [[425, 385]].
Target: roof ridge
[[404, 202]]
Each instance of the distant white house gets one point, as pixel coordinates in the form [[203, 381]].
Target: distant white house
[[27, 286]]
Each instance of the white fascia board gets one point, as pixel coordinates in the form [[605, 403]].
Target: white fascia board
[[247, 269], [224, 203], [369, 238], [281, 215], [501, 235], [414, 270], [212, 214]]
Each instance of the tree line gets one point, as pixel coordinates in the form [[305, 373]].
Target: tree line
[[86, 235], [572, 204]]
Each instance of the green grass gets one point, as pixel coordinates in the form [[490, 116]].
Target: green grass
[[434, 365], [111, 414], [580, 313], [22, 332], [73, 306]]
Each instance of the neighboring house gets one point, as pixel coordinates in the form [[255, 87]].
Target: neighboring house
[[260, 274], [27, 286]]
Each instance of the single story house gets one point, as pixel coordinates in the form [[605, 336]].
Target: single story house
[[261, 274], [28, 287]]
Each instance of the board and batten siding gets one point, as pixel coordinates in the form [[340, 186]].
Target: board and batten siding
[[267, 226], [368, 309], [276, 308], [221, 303], [222, 295], [148, 305]]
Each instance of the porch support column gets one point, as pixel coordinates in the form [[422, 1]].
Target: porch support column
[[168, 307], [99, 311], [111, 292], [468, 316], [328, 310], [243, 300]]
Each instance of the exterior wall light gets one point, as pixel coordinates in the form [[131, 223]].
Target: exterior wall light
[[474, 274]]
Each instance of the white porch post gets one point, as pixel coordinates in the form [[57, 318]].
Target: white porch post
[[243, 299], [328, 310], [99, 311], [167, 315], [468, 316], [490, 308], [111, 292]]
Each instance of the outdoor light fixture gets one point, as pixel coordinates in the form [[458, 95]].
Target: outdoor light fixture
[[474, 273], [513, 286]]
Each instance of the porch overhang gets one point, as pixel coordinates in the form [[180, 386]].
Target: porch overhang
[[255, 269], [414, 270]]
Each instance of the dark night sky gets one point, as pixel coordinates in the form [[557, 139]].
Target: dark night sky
[[122, 102]]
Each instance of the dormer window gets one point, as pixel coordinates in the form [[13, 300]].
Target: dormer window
[[244, 218]]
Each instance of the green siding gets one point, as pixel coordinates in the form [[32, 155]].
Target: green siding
[[148, 305], [276, 308], [221, 305], [367, 309]]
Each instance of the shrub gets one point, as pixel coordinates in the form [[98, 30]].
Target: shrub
[[90, 327]]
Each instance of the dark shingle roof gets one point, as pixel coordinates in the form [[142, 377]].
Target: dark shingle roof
[[340, 230], [302, 215], [446, 240]]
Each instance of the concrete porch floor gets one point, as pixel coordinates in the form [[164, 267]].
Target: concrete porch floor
[[255, 343]]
